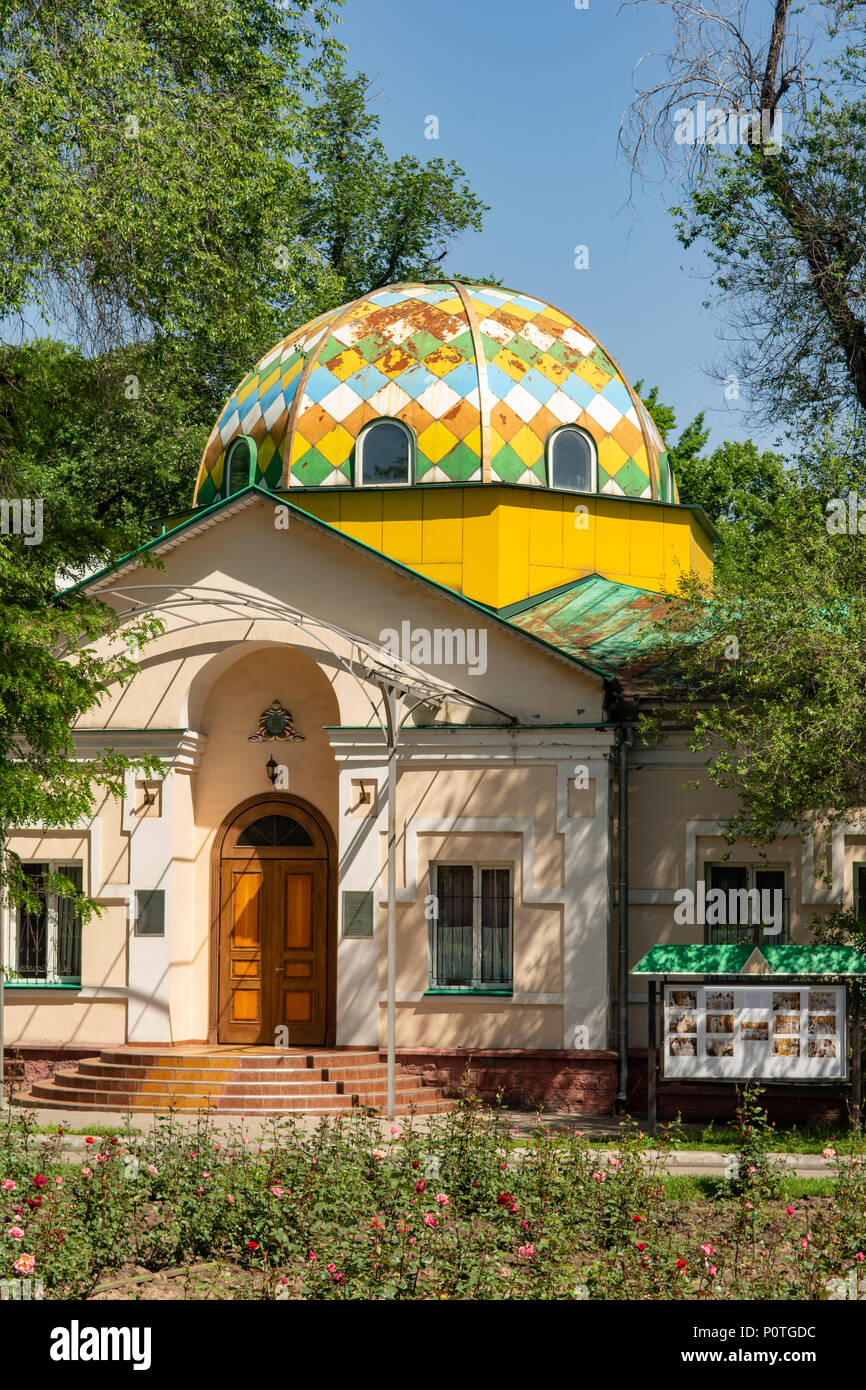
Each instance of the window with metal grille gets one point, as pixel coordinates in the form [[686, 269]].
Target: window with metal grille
[[748, 923], [860, 891], [471, 933], [47, 941]]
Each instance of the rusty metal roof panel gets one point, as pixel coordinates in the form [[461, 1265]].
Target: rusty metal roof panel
[[595, 620]]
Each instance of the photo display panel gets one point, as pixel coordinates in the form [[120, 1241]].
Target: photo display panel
[[732, 1032]]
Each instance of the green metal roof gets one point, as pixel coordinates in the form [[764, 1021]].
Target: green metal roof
[[729, 960], [596, 620]]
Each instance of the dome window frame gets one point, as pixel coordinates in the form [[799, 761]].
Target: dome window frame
[[252, 458], [549, 450], [371, 425]]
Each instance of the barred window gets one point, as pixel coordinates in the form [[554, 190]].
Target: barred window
[[471, 933], [46, 942], [752, 895]]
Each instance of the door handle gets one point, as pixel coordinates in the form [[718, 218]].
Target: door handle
[[280, 970]]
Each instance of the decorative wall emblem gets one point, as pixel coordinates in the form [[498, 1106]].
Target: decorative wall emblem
[[275, 722]]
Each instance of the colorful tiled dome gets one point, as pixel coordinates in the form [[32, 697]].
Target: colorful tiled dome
[[482, 375]]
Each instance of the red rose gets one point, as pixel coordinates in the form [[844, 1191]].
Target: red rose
[[90, 1139], [252, 1245], [420, 1185], [39, 1181]]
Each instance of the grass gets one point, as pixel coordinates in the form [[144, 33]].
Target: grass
[[713, 1189], [799, 1139]]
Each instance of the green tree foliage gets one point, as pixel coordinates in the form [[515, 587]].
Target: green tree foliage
[[774, 188], [771, 660], [373, 220], [57, 657], [180, 187]]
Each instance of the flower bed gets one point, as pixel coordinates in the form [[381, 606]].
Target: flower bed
[[439, 1208]]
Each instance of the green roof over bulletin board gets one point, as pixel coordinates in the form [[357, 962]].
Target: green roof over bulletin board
[[761, 960]]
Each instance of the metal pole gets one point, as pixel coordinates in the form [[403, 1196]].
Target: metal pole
[[856, 1066], [652, 1061], [625, 742], [2, 993], [393, 733]]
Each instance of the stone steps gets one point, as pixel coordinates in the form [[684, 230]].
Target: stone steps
[[234, 1082]]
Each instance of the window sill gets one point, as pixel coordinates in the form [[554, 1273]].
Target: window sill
[[466, 989], [41, 984]]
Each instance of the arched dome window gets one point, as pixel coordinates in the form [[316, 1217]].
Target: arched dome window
[[571, 460], [384, 454], [240, 465]]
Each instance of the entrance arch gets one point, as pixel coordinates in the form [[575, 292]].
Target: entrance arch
[[273, 925]]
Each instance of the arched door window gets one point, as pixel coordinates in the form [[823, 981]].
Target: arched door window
[[240, 465], [269, 832], [571, 460], [384, 454]]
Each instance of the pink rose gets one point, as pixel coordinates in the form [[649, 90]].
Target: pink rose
[[15, 1233], [87, 1172], [442, 1199], [25, 1264], [430, 1219], [707, 1249], [8, 1185]]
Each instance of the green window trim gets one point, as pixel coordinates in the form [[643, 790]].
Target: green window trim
[[471, 936], [249, 444], [467, 989], [40, 989]]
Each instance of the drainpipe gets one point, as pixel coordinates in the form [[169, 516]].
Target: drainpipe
[[626, 740]]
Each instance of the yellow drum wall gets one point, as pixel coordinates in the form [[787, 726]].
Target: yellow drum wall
[[498, 546]]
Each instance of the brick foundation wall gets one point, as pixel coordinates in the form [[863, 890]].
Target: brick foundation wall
[[585, 1083], [31, 1062]]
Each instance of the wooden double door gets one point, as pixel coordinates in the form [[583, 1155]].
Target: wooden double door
[[274, 909]]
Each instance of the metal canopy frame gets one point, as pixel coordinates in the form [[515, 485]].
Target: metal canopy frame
[[397, 681]]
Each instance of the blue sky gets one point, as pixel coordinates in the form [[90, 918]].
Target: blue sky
[[529, 98]]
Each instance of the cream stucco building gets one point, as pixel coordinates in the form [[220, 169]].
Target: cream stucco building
[[449, 492]]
